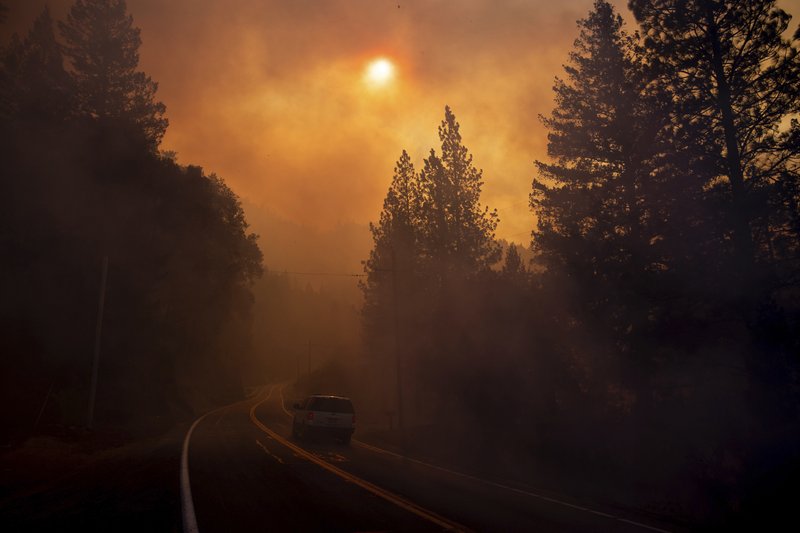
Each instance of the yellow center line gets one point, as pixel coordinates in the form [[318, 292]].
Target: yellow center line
[[374, 489], [506, 487], [528, 493]]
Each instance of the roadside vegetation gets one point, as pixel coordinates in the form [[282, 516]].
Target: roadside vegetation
[[83, 179]]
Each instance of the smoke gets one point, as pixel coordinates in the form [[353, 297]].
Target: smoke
[[269, 94]]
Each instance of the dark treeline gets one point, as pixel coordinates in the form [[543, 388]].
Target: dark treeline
[[652, 348], [83, 179]]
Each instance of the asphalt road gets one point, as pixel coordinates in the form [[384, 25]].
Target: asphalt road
[[246, 473]]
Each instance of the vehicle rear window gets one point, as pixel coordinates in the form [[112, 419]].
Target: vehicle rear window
[[331, 405]]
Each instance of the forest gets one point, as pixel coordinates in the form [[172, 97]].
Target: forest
[[652, 341], [83, 179], [655, 336]]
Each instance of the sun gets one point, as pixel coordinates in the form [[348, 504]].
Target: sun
[[379, 72]]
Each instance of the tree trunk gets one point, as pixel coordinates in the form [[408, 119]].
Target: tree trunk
[[740, 213]]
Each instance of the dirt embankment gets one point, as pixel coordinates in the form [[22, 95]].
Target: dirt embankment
[[70, 480]]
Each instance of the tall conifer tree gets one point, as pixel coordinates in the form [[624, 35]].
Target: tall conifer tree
[[733, 77], [392, 266], [457, 231], [396, 235], [597, 202], [102, 46], [36, 85]]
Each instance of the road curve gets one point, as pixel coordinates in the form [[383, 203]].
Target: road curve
[[246, 474]]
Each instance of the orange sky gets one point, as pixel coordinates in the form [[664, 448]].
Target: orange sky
[[271, 96], [269, 93]]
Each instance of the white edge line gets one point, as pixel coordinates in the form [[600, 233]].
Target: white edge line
[[486, 481], [491, 483], [266, 450], [187, 504], [642, 525], [506, 487], [283, 402]]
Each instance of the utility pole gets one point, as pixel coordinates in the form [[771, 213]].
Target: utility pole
[[395, 319], [97, 335]]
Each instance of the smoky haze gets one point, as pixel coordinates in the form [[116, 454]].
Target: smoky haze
[[269, 94], [553, 244]]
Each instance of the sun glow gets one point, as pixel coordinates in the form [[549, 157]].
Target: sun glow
[[379, 72]]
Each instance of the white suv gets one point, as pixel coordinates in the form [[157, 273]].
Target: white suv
[[320, 414]]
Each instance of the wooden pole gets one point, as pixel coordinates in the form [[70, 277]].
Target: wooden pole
[[398, 355], [98, 331]]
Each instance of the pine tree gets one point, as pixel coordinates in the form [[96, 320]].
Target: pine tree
[[512, 266], [399, 220], [395, 252], [733, 78], [457, 232], [597, 203], [621, 227], [36, 86], [102, 46], [430, 245], [395, 236]]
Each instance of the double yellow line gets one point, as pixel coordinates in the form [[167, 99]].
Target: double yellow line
[[399, 501]]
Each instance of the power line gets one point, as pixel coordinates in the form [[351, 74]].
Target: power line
[[339, 274], [515, 205]]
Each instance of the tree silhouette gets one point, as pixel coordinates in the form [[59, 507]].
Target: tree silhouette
[[733, 77], [512, 266], [36, 85], [432, 225], [601, 207], [734, 81], [81, 181], [457, 232], [395, 257], [399, 225], [102, 46], [433, 242]]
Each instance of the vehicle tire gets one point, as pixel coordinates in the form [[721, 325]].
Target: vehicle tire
[[294, 431]]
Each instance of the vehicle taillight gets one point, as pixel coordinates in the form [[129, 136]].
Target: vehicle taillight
[[310, 415]]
